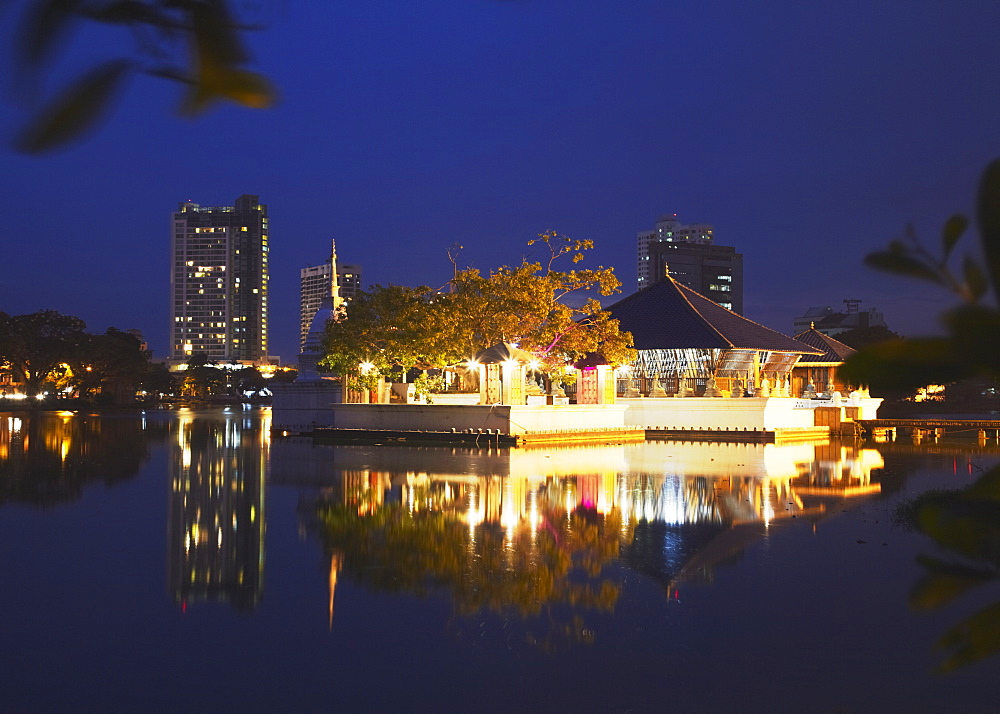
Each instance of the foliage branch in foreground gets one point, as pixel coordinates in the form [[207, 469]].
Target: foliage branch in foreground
[[196, 43], [966, 523]]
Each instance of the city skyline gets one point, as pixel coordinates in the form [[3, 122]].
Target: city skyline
[[806, 136]]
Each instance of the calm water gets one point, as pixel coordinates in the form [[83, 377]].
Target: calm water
[[184, 561]]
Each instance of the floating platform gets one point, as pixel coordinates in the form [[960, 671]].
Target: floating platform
[[747, 436], [481, 437]]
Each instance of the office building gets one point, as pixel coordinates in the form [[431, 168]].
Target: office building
[[332, 279], [219, 281], [692, 259]]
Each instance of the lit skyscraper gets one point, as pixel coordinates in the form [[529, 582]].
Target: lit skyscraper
[[219, 280], [688, 253]]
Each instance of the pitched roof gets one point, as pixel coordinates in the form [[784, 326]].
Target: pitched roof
[[833, 350], [504, 352], [667, 315]]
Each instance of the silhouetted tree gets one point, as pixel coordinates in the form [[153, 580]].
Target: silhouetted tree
[[36, 344]]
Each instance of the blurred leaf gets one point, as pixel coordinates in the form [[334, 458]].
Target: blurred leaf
[[954, 227], [896, 261], [75, 110], [970, 527], [944, 582], [972, 639], [904, 365], [249, 89], [44, 24], [217, 43], [975, 278], [986, 486], [130, 11], [975, 333], [988, 214]]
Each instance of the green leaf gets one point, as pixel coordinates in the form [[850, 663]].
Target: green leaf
[[217, 42], [988, 214], [975, 278], [943, 583], [130, 11], [954, 227], [973, 639], [893, 261], [975, 333], [44, 25], [249, 89], [75, 110], [905, 365]]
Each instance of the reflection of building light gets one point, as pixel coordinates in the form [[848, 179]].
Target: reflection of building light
[[533, 515]]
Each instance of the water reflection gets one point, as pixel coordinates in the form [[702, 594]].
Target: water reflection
[[537, 532], [216, 522], [48, 458]]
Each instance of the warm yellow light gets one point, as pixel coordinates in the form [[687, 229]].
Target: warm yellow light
[[534, 364], [366, 367]]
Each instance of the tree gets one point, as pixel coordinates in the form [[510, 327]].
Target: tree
[[965, 523], [36, 344], [384, 328], [196, 43], [548, 312], [113, 364]]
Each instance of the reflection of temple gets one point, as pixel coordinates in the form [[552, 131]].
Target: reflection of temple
[[216, 525], [682, 509]]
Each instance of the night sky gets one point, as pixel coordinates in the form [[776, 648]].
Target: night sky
[[807, 133]]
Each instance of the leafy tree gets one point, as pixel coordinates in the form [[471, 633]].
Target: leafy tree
[[965, 523], [551, 313], [113, 364], [385, 327], [203, 378], [195, 43], [37, 344]]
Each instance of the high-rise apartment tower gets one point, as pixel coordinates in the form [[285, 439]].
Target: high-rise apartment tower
[[331, 279], [692, 259], [218, 281]]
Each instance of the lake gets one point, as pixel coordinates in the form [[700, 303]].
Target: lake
[[185, 560]]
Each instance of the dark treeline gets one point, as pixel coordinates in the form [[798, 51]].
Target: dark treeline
[[48, 353]]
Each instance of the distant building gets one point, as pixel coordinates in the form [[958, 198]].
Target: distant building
[[691, 258], [349, 280], [219, 281], [331, 279], [826, 320]]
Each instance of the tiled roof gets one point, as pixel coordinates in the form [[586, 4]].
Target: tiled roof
[[667, 315], [504, 352], [833, 350]]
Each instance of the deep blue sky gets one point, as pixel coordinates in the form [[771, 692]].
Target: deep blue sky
[[807, 133]]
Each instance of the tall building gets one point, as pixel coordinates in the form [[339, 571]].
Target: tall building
[[331, 279], [219, 280], [692, 259]]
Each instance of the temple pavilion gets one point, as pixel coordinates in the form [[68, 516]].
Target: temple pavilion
[[817, 373], [690, 346]]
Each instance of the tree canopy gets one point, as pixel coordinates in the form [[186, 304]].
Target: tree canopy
[[551, 313], [47, 346]]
